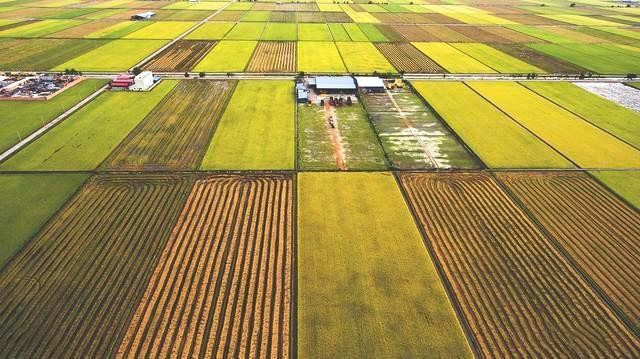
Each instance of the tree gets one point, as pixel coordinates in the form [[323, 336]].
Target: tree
[[631, 76], [136, 70], [202, 74], [186, 74]]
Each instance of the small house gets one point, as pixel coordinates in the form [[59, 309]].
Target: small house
[[370, 84]]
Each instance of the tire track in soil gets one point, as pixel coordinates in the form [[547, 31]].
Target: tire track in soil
[[223, 285], [518, 294], [90, 263]]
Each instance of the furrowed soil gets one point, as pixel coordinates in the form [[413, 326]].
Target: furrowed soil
[[519, 295], [599, 231], [176, 133], [405, 57], [222, 287], [181, 56], [274, 56], [72, 290]]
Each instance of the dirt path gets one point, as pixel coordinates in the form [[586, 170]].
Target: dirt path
[[414, 132], [334, 133]]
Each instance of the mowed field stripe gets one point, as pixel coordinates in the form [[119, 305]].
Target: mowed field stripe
[[597, 229], [176, 133], [75, 285], [222, 287], [519, 295]]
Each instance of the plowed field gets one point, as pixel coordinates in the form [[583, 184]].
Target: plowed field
[[181, 56], [72, 290], [276, 56], [518, 294], [222, 287], [176, 133], [407, 58], [598, 230]]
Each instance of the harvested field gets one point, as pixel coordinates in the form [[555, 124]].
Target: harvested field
[[538, 59], [82, 30], [282, 16], [337, 17], [478, 34], [497, 60], [181, 56], [412, 135], [274, 56], [405, 57], [445, 33], [530, 19], [519, 295], [310, 17], [599, 231], [390, 33], [73, 289], [414, 33], [509, 35], [222, 287], [176, 133], [229, 16]]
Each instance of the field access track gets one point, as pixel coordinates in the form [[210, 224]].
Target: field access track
[[176, 133], [518, 294], [599, 231], [73, 288], [222, 287]]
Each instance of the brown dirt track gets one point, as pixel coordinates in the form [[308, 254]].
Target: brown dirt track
[[181, 56], [407, 58], [73, 288], [518, 294], [599, 231], [274, 56], [176, 133], [222, 287]]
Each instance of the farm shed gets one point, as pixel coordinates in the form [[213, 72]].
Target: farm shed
[[147, 15], [335, 84], [370, 83], [303, 97]]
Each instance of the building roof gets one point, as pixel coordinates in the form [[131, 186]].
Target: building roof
[[369, 81], [335, 82], [145, 14]]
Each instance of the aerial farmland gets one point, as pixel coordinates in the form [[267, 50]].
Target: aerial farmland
[[320, 179]]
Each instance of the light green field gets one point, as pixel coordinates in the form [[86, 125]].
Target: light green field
[[227, 56], [314, 32], [494, 137], [581, 20], [246, 31], [616, 119], [338, 32], [28, 201], [625, 183], [84, 139], [211, 31], [319, 56], [21, 118], [585, 144], [40, 28], [623, 32], [497, 60], [452, 59], [117, 30], [554, 35], [256, 132], [366, 285], [257, 15], [117, 55], [280, 31], [355, 33], [372, 33], [592, 56], [161, 30], [363, 57]]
